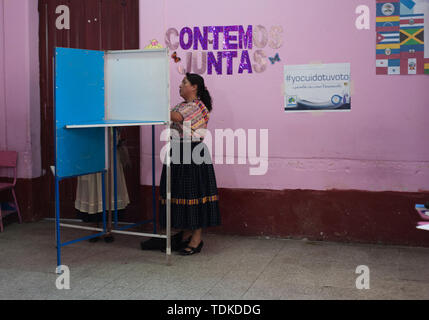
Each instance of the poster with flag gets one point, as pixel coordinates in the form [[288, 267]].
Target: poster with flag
[[402, 45]]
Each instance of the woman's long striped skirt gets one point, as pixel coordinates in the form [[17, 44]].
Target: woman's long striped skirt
[[194, 194]]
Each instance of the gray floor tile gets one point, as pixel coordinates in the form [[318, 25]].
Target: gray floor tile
[[229, 267]]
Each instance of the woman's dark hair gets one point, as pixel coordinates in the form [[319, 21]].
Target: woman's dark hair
[[202, 92]]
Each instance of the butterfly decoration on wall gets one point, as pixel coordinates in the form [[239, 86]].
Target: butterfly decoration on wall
[[175, 57], [154, 44], [276, 58]]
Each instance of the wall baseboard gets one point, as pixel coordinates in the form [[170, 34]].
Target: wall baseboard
[[332, 215]]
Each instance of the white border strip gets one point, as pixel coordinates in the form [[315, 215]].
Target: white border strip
[[108, 125], [137, 50]]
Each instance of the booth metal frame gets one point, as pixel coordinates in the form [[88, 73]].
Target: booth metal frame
[[110, 157]]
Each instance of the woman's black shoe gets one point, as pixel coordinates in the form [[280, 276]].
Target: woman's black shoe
[[177, 246], [160, 244], [185, 252]]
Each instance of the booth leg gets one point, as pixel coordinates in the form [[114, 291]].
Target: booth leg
[[153, 181], [103, 188], [115, 173], [109, 237], [57, 223], [168, 204]]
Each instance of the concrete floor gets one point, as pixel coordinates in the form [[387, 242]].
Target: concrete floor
[[229, 267]]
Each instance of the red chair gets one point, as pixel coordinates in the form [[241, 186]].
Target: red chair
[[8, 159]]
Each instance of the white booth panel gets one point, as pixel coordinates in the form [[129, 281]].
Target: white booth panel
[[137, 85]]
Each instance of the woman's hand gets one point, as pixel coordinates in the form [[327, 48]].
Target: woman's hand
[[176, 117]]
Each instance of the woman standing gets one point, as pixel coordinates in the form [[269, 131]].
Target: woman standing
[[194, 195]]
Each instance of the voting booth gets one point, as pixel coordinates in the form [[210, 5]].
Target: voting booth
[[95, 93]]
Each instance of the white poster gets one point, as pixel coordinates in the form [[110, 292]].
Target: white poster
[[317, 87]]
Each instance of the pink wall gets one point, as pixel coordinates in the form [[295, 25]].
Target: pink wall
[[3, 131], [379, 145], [19, 84]]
